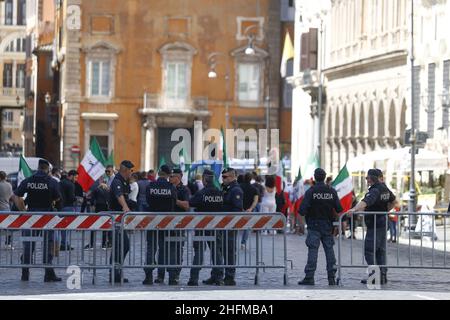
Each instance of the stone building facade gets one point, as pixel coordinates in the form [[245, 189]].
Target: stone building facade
[[133, 71], [12, 68]]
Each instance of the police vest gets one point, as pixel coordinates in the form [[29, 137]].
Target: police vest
[[39, 192], [323, 201], [161, 196], [212, 201], [381, 204]]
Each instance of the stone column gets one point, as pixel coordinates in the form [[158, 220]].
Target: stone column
[[149, 142]]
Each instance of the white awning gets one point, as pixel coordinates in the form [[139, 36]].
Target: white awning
[[398, 161], [99, 116]]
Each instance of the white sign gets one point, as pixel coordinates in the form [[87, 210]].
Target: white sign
[[74, 17]]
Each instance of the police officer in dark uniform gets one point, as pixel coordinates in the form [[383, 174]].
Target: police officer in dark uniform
[[42, 193], [378, 199], [320, 206], [232, 202], [119, 202], [182, 205], [161, 197], [209, 199]]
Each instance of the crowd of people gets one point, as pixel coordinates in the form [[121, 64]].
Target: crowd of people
[[124, 190]]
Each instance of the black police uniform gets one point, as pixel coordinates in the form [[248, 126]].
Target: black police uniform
[[119, 187], [161, 197], [232, 202], [209, 199], [183, 194], [42, 190], [320, 205], [377, 200]]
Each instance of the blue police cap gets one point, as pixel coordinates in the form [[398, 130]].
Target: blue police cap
[[43, 162], [208, 173], [177, 171], [127, 164], [166, 169]]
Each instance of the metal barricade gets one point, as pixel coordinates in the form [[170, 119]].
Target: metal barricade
[[32, 240], [176, 241], [416, 246]]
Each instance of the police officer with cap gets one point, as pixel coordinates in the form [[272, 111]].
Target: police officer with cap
[[320, 206], [42, 193], [182, 205], [232, 202], [378, 199], [209, 199], [161, 197], [119, 192]]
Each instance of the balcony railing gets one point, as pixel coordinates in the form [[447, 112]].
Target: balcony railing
[[13, 92]]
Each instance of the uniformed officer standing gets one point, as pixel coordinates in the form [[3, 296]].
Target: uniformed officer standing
[[378, 199], [232, 202], [182, 205], [42, 193], [209, 199], [320, 206], [119, 191], [161, 197]]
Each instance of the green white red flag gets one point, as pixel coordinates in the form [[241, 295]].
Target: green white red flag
[[300, 191], [92, 167], [343, 185]]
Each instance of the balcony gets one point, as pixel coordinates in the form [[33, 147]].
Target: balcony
[[14, 92]]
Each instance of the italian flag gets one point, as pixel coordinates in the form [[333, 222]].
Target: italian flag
[[24, 170], [300, 193], [344, 187], [92, 167]]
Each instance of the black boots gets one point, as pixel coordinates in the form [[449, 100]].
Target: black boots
[[148, 281], [307, 282], [25, 274], [50, 276]]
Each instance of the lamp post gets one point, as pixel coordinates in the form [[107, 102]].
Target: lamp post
[[412, 186], [212, 74]]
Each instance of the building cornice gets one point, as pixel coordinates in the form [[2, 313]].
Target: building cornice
[[370, 64]]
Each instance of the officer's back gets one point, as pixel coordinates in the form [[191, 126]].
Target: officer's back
[[378, 199], [321, 202], [209, 199], [161, 194]]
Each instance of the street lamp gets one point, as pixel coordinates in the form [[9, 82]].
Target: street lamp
[[251, 37], [212, 74], [412, 186]]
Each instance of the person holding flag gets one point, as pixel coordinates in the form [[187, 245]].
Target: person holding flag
[[320, 206]]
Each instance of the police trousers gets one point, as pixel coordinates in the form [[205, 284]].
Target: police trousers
[[375, 247], [228, 248], [215, 252], [169, 245], [118, 259], [320, 231], [30, 246]]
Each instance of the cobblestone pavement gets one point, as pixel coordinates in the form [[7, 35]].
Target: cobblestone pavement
[[403, 283]]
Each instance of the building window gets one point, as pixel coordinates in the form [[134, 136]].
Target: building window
[[7, 75], [8, 116], [9, 12], [176, 81], [177, 70], [249, 81], [287, 87], [21, 12], [100, 69], [20, 76], [100, 78]]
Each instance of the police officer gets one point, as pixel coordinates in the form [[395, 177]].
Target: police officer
[[232, 202], [119, 202], [42, 193], [182, 205], [378, 199], [209, 199], [161, 197], [320, 206]]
